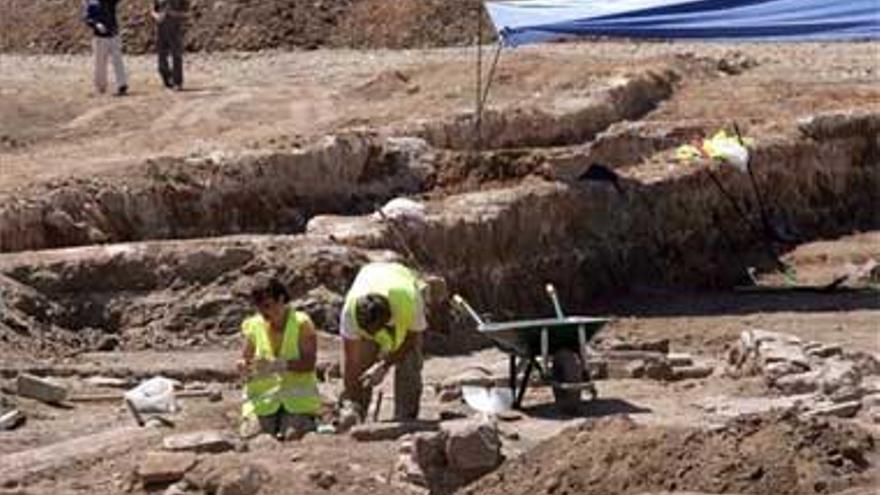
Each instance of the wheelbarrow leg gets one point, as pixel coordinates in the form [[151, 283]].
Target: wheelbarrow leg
[[511, 377], [517, 404]]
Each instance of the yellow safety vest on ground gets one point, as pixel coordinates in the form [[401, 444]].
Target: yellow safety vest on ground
[[397, 283], [296, 391]]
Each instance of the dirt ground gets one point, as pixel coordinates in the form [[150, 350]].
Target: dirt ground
[[53, 127], [213, 25], [639, 436]]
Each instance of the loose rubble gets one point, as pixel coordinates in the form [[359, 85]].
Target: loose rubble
[[442, 461]]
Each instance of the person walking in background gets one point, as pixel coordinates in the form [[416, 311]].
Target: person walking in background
[[100, 15], [170, 16]]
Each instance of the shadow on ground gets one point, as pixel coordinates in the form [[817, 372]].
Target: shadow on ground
[[596, 408]]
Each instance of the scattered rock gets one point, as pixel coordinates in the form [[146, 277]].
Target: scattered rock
[[772, 351], [658, 370], [824, 350], [635, 369], [182, 487], [614, 355], [847, 393], [659, 345], [842, 410], [324, 479], [798, 383], [374, 432], [200, 441], [473, 447], [677, 359], [428, 449], [41, 389], [263, 442], [597, 368], [11, 419], [449, 394], [107, 381], [509, 415], [245, 480], [165, 467], [451, 414], [107, 343], [691, 372], [323, 306]]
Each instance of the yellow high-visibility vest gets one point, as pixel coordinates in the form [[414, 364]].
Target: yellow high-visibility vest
[[400, 286], [297, 391]]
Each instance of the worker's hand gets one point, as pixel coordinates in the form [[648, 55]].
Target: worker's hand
[[278, 366], [101, 28], [374, 375], [262, 367]]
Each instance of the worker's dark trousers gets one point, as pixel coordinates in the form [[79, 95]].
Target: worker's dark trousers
[[169, 44], [407, 382]]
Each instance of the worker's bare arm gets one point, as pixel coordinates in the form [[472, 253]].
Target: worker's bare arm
[[308, 349]]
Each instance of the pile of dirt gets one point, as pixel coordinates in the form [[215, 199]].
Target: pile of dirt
[[771, 454], [38, 27]]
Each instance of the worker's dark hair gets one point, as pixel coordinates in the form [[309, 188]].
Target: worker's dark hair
[[269, 288], [372, 312]]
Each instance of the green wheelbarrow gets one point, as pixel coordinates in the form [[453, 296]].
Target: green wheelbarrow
[[556, 347]]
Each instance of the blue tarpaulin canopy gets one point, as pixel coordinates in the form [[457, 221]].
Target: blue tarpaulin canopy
[[532, 21]]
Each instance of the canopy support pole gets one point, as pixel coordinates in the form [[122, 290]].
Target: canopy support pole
[[478, 115]]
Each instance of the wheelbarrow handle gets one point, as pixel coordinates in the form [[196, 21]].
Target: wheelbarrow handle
[[461, 303], [551, 291]]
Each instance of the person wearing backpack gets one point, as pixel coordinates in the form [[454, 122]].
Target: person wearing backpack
[[100, 15]]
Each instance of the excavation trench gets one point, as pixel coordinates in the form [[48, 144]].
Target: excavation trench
[[496, 240], [277, 191]]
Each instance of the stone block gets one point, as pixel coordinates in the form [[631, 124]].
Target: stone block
[[658, 345], [11, 419], [165, 467], [635, 369], [798, 383], [324, 479], [774, 351], [691, 372], [428, 449], [41, 389], [473, 447], [677, 359], [842, 410], [211, 441], [246, 480], [598, 369], [658, 370], [825, 350], [377, 432], [632, 355], [779, 369]]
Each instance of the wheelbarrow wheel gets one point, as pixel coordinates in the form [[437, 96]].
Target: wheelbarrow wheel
[[567, 368]]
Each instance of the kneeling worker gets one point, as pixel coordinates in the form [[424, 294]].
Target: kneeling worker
[[281, 394], [381, 324]]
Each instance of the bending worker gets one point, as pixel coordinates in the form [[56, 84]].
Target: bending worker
[[281, 394], [381, 324]]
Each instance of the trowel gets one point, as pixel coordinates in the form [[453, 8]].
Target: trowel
[[487, 400]]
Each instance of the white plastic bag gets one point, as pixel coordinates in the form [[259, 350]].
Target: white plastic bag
[[155, 395], [404, 209]]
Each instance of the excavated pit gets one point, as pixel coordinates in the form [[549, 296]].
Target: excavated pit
[[499, 225], [277, 191]]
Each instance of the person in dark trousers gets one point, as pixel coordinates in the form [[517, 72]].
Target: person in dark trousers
[[170, 16], [100, 15]]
